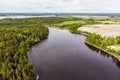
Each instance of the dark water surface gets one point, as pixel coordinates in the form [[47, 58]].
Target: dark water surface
[[65, 56]]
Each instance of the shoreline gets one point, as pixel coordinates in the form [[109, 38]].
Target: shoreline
[[114, 55], [36, 42], [86, 34]]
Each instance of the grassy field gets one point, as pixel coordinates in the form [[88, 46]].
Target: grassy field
[[74, 25]]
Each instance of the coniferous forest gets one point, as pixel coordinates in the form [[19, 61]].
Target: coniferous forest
[[16, 37]]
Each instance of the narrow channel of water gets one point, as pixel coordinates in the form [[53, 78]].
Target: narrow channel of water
[[65, 56]]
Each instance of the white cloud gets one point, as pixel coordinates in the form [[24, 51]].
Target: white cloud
[[59, 6]]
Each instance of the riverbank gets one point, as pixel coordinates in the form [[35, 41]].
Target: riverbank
[[86, 33], [106, 31], [110, 53], [114, 55]]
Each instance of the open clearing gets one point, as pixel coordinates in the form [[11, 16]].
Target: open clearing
[[102, 29]]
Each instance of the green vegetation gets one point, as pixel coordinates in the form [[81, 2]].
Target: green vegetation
[[74, 25], [103, 42], [16, 36]]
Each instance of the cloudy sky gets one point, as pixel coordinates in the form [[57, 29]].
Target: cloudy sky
[[43, 6]]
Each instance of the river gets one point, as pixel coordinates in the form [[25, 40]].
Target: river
[[65, 56]]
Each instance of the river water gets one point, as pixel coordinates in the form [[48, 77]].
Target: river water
[[65, 56]]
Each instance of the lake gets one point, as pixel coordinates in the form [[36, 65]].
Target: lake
[[65, 56]]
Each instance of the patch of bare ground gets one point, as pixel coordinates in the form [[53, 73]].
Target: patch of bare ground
[[103, 29]]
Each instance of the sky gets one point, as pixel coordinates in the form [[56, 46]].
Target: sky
[[60, 6]]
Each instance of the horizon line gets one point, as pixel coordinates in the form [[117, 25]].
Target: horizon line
[[67, 12]]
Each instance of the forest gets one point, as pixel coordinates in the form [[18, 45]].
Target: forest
[[16, 37]]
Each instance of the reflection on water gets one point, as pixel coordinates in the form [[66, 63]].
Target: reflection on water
[[65, 56], [104, 54]]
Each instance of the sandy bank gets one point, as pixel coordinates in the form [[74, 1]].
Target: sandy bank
[[102, 29]]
